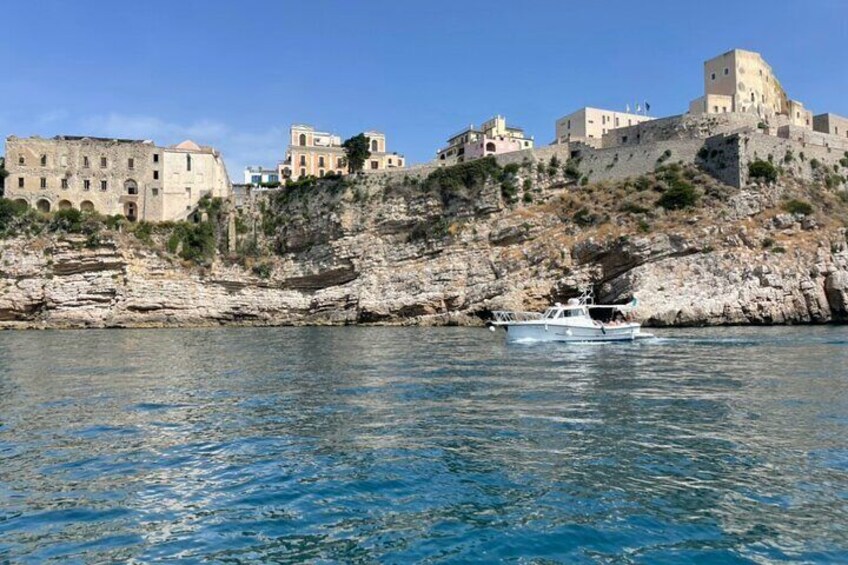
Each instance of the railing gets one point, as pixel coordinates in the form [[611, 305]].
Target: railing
[[504, 317]]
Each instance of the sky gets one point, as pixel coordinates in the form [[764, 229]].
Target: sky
[[237, 74]]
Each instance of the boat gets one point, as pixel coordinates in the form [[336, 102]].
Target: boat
[[579, 320]]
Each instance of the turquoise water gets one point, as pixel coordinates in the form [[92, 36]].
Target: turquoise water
[[401, 445]]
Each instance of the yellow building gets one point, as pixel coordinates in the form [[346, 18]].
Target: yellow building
[[318, 153], [741, 81]]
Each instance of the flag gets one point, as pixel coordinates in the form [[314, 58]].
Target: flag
[[638, 108], [647, 107], [628, 108]]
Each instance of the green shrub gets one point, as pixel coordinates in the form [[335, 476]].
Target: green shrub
[[815, 164], [664, 157], [633, 208], [832, 181], [553, 166], [680, 195], [68, 220], [10, 211], [193, 242], [760, 169], [788, 157], [262, 270], [511, 169], [584, 218], [644, 226], [571, 170], [767, 243], [798, 207]]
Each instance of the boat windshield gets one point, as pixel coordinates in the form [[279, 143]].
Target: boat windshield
[[556, 313]]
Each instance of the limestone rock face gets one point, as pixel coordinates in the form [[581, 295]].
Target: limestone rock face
[[404, 256]]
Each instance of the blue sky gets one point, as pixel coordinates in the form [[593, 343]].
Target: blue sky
[[236, 74]]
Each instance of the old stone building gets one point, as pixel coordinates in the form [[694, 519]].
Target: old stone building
[[493, 137], [742, 81], [317, 153], [134, 178]]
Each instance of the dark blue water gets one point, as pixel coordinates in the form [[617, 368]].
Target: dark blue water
[[437, 445]]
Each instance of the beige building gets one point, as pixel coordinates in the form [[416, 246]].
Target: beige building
[[831, 124], [318, 153], [133, 178], [589, 125], [741, 81], [493, 137]]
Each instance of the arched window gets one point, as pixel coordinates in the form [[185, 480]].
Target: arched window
[[43, 205], [490, 146], [374, 145], [44, 160], [65, 205], [22, 203], [188, 162], [302, 140], [303, 160], [131, 187], [87, 206]]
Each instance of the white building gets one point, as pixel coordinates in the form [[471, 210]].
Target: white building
[[257, 175], [589, 125]]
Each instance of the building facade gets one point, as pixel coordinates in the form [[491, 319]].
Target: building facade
[[133, 178], [493, 137], [741, 81], [318, 153], [589, 125], [832, 124], [257, 175]]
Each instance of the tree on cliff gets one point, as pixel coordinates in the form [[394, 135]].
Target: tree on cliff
[[357, 152], [3, 174]]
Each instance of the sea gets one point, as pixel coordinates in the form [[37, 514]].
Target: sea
[[423, 445]]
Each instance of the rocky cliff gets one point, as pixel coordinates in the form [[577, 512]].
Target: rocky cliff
[[450, 246]]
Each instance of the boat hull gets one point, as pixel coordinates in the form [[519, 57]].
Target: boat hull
[[550, 332]]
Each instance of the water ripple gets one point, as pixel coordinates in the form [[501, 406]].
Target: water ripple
[[438, 445]]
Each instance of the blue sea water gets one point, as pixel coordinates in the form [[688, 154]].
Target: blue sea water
[[403, 445]]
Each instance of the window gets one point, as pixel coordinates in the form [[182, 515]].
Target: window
[[65, 183], [302, 140], [303, 160], [188, 192], [255, 179], [753, 97], [569, 124], [375, 164], [390, 160], [43, 182], [303, 172], [726, 71], [155, 157], [188, 162], [85, 163], [103, 162], [155, 175], [20, 182], [86, 185], [21, 160], [374, 145], [103, 186], [624, 139], [44, 160], [155, 191], [131, 187], [320, 161], [712, 76], [340, 162], [715, 109], [616, 121], [320, 172], [131, 163]]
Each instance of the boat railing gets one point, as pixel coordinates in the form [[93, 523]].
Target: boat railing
[[505, 317]]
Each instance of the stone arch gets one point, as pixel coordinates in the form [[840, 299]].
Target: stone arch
[[43, 205], [374, 145], [491, 146], [302, 140], [64, 205], [87, 206], [21, 202], [131, 211], [130, 186]]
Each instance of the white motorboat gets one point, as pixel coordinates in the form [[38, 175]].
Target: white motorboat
[[579, 320]]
